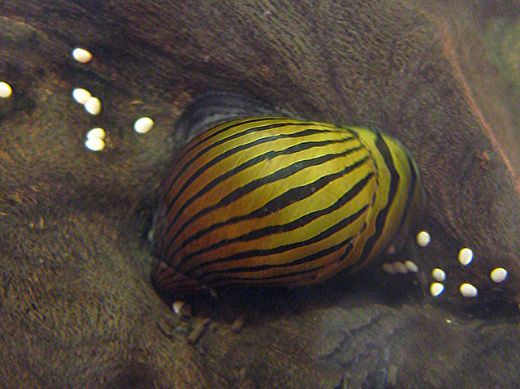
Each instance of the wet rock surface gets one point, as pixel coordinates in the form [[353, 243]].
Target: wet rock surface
[[76, 301]]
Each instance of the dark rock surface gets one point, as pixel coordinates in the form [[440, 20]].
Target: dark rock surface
[[76, 304]]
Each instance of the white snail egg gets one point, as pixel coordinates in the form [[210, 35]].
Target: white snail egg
[[438, 274], [468, 290], [177, 306], [96, 133], [95, 144], [143, 125], [93, 106], [498, 275], [388, 268], [399, 267], [465, 256], [436, 288], [411, 266], [5, 90], [81, 55], [423, 238], [81, 95]]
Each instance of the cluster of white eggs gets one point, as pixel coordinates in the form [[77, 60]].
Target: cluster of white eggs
[[95, 138], [91, 103], [465, 257], [400, 267], [466, 289]]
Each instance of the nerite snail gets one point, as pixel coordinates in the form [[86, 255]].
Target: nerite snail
[[270, 200]]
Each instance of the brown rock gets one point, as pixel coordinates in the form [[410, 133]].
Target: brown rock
[[77, 307]]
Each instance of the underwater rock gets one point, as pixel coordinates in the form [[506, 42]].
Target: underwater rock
[[77, 304]]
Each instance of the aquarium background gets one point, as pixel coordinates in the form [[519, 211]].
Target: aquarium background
[[77, 304]]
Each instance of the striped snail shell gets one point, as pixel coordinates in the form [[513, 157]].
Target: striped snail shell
[[270, 200]]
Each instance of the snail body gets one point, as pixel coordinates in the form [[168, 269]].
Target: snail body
[[276, 201]]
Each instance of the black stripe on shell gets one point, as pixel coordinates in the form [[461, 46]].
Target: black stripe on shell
[[229, 153], [280, 249], [287, 198], [234, 136], [255, 184], [222, 276], [385, 152], [296, 194]]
